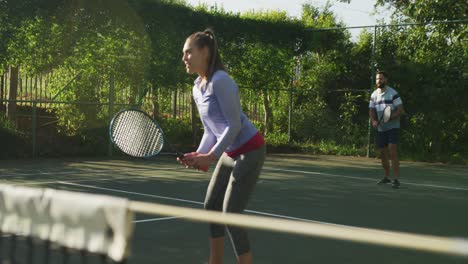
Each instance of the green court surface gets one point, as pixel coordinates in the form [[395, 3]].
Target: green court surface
[[433, 199]]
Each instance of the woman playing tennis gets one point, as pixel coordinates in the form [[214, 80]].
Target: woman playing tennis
[[229, 137]]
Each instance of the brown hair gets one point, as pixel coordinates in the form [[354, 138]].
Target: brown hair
[[207, 39], [384, 73]]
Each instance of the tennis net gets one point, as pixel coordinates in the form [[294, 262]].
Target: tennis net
[[103, 226], [64, 221]]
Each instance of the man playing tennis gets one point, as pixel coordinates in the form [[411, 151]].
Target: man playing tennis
[[387, 132], [229, 137]]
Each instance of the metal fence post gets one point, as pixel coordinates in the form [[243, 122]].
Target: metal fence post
[[34, 128], [372, 79], [111, 108], [290, 111]]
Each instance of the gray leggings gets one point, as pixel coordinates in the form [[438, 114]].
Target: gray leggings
[[231, 185]]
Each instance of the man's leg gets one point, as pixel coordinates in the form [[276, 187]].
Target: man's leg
[[393, 149], [385, 163], [382, 148]]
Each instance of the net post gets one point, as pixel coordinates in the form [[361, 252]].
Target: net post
[[103, 258], [65, 255], [47, 248], [12, 253], [1, 245], [83, 256], [30, 245]]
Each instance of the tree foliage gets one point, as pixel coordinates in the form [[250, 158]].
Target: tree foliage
[[136, 45], [96, 39], [428, 65]]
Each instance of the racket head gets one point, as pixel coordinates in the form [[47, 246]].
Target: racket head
[[136, 134], [386, 114]]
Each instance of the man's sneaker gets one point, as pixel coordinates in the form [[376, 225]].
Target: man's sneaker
[[385, 180], [395, 184]]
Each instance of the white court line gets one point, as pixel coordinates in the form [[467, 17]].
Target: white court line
[[127, 192], [155, 219], [367, 179], [189, 201], [93, 179], [264, 168], [84, 172]]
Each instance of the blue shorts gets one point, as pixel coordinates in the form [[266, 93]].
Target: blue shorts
[[388, 137]]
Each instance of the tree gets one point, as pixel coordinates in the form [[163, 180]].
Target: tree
[[265, 68], [323, 69], [428, 11], [99, 39]]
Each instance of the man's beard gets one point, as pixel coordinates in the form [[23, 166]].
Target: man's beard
[[381, 85]]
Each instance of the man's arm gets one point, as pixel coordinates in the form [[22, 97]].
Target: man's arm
[[373, 117], [399, 111]]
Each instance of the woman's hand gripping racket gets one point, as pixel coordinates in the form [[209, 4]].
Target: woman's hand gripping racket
[[136, 134]]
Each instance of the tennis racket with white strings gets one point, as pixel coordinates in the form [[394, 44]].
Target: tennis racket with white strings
[[386, 114], [136, 134]]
